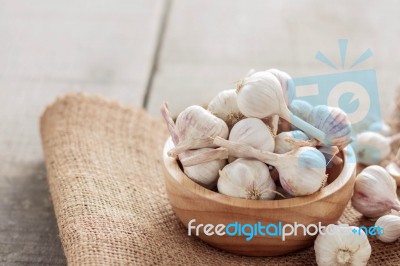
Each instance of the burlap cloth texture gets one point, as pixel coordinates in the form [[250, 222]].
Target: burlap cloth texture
[[105, 176]]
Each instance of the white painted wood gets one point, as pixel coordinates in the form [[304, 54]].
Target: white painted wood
[[210, 44]]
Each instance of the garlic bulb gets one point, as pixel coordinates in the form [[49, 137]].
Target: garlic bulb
[[224, 106], [254, 132], [340, 246], [284, 141], [301, 172], [300, 108], [393, 168], [201, 165], [374, 192], [381, 128], [260, 96], [372, 148], [247, 179], [194, 126], [286, 82], [390, 225], [205, 174], [334, 123]]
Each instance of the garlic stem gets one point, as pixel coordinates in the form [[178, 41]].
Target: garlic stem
[[190, 144], [170, 123], [204, 157], [306, 127], [274, 124], [245, 151]]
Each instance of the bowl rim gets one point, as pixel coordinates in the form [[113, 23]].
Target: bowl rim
[[174, 172]]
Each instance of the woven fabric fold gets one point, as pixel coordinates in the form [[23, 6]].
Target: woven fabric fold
[[104, 167]]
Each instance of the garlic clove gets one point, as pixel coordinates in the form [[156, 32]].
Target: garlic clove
[[371, 147], [247, 179], [342, 247], [284, 141], [194, 126], [390, 225], [375, 192], [205, 174], [254, 132], [224, 106]]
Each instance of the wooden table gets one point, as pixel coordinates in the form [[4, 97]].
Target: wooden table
[[142, 52]]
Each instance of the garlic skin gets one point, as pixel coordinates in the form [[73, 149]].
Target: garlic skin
[[247, 179], [300, 108], [342, 246], [333, 122], [391, 228], [371, 147], [224, 106], [254, 132], [205, 174], [282, 145], [374, 192], [194, 126]]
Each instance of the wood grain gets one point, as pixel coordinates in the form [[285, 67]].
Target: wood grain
[[191, 201], [210, 45]]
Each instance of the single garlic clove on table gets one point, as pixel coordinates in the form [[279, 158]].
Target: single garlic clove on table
[[247, 179], [339, 245], [224, 106], [390, 225], [375, 192]]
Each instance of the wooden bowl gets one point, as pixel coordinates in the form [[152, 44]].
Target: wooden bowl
[[192, 201]]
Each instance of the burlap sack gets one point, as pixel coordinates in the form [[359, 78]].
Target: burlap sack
[[105, 175]]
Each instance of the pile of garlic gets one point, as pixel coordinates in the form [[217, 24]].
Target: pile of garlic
[[253, 141]]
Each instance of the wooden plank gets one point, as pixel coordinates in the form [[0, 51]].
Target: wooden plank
[[48, 48], [209, 45]]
